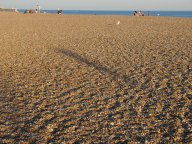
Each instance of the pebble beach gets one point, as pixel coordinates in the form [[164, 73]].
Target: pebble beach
[[95, 79]]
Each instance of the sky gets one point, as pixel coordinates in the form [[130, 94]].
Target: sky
[[183, 5]]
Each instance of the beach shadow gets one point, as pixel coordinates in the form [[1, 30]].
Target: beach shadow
[[131, 81], [97, 66]]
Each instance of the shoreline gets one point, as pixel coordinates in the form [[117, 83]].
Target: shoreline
[[152, 13], [85, 15]]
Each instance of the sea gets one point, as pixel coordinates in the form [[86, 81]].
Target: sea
[[183, 14]]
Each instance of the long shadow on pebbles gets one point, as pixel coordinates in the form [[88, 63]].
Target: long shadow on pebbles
[[102, 69]]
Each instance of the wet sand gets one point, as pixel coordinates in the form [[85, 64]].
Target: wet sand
[[83, 79]]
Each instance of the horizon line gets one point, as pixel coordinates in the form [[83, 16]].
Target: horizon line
[[105, 10]]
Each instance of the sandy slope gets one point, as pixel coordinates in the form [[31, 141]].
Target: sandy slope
[[83, 79]]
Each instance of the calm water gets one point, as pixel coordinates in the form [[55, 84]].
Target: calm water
[[130, 13]]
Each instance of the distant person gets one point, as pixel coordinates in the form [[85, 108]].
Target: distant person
[[30, 11], [59, 12], [36, 11], [26, 11], [136, 13], [141, 13]]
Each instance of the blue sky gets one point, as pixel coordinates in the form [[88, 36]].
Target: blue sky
[[101, 4]]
